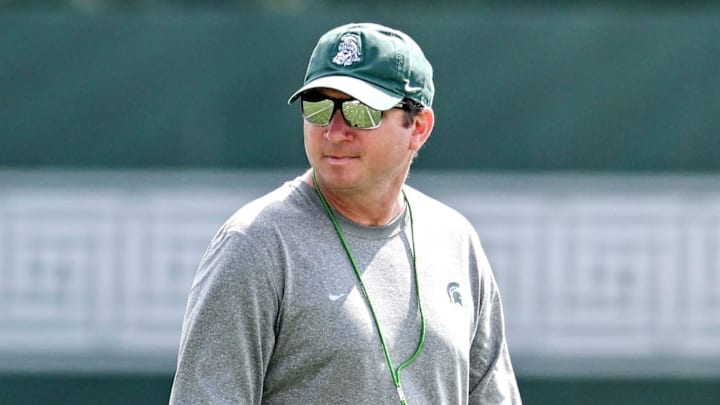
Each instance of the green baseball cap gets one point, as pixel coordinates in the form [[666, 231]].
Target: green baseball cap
[[374, 64]]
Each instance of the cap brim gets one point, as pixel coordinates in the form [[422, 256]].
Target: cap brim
[[355, 88]]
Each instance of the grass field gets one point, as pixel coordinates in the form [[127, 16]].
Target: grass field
[[110, 389]]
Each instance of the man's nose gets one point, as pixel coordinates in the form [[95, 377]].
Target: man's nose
[[337, 129]]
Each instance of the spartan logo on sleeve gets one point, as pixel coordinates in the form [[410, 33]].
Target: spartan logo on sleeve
[[349, 50], [453, 290]]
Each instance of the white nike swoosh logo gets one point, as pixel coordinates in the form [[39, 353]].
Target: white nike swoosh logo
[[411, 89], [334, 297]]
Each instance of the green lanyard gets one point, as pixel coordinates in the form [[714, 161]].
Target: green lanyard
[[394, 372]]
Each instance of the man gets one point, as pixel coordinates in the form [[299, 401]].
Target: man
[[346, 286]]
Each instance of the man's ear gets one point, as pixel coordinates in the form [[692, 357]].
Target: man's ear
[[422, 127]]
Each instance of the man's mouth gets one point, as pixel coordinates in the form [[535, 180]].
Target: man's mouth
[[340, 158]]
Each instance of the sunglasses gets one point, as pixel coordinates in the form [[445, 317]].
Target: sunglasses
[[318, 109]]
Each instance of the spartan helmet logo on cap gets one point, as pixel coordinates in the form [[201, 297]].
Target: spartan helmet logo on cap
[[349, 50]]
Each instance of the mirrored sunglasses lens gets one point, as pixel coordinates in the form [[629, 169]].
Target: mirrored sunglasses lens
[[318, 112], [359, 115]]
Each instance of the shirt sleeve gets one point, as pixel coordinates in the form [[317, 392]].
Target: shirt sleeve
[[492, 379], [228, 328]]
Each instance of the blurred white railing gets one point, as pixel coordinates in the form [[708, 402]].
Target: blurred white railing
[[598, 273]]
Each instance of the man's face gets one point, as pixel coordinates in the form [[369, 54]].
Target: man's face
[[347, 159]]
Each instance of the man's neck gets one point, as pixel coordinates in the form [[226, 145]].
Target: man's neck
[[370, 209]]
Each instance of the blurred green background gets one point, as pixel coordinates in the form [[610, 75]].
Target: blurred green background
[[117, 389], [555, 87], [587, 86]]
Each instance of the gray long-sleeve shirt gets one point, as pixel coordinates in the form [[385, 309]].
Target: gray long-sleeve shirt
[[275, 314]]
